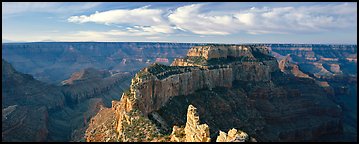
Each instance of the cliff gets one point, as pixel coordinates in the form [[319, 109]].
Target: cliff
[[155, 85], [223, 51], [133, 126], [287, 66], [90, 83], [245, 90], [36, 111], [26, 106]]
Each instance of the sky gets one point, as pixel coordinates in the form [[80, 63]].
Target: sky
[[188, 22]]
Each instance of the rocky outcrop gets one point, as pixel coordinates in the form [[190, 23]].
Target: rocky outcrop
[[85, 74], [152, 92], [101, 126], [36, 111], [287, 66], [234, 135], [122, 122], [222, 51], [196, 132], [155, 85], [247, 92], [193, 130], [90, 83], [333, 69]]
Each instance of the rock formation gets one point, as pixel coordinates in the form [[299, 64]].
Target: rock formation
[[90, 83], [232, 86], [25, 106], [36, 111], [196, 132], [243, 88], [288, 67], [333, 67], [233, 136], [155, 85], [193, 131]]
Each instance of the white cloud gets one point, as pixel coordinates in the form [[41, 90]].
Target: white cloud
[[190, 18], [281, 20], [142, 21], [139, 16], [10, 8], [145, 21]]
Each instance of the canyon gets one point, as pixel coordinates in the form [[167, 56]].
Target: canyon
[[42, 112], [270, 92], [46, 60]]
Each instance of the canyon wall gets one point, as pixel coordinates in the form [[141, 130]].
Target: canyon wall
[[247, 92], [155, 85]]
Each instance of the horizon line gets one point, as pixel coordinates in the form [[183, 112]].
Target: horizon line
[[178, 42]]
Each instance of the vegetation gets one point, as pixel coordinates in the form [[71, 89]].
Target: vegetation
[[197, 60], [158, 68], [140, 128], [260, 56], [127, 92]]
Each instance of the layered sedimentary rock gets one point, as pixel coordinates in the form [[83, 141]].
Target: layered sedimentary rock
[[286, 66], [122, 122], [88, 73], [245, 91], [334, 68], [154, 85], [223, 51], [90, 83], [25, 106], [36, 111]]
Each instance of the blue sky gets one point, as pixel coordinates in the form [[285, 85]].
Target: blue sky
[[229, 22]]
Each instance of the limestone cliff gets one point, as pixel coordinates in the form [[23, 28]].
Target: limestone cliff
[[233, 86], [286, 66], [153, 86], [223, 51]]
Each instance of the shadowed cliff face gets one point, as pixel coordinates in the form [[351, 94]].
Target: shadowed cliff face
[[244, 90], [25, 105], [86, 92], [238, 87], [333, 67], [23, 89], [35, 111], [290, 109]]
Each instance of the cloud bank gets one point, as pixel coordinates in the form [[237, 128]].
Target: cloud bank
[[192, 19]]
